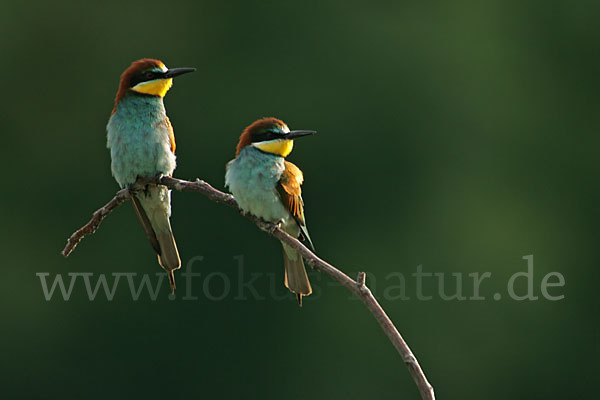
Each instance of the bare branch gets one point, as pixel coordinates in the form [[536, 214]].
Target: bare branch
[[94, 223], [358, 286]]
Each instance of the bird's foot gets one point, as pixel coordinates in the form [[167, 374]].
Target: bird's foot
[[275, 226], [156, 178], [134, 188]]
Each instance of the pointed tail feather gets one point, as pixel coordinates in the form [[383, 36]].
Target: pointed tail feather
[[296, 279], [145, 222], [154, 208], [171, 275], [169, 257]]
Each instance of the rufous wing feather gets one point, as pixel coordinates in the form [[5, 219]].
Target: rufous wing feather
[[296, 279], [291, 195]]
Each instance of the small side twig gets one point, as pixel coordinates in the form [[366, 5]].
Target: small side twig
[[358, 286], [94, 223]]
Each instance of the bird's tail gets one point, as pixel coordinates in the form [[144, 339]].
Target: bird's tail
[[153, 208], [295, 274]]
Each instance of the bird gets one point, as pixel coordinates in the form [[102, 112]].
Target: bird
[[266, 185], [142, 145]]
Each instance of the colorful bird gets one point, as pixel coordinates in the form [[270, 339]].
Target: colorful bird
[[142, 144], [266, 185]]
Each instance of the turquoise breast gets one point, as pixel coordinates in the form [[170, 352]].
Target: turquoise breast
[[252, 178], [139, 139]]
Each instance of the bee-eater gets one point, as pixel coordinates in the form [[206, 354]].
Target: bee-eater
[[266, 185], [142, 144]]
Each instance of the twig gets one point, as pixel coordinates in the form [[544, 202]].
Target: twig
[[358, 286], [94, 223]]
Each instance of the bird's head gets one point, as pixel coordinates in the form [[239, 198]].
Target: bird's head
[[270, 135], [148, 76]]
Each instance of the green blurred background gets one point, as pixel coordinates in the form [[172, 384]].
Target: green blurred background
[[460, 136]]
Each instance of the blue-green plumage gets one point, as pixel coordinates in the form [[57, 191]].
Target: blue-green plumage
[[139, 139], [142, 145], [252, 178], [266, 185]]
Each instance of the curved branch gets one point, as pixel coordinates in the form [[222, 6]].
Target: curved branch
[[358, 286]]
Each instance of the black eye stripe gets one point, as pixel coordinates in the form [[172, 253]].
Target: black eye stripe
[[143, 77], [267, 135]]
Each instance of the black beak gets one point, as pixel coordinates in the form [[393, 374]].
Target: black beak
[[173, 72], [297, 134]]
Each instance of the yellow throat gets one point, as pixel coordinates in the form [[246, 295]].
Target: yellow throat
[[157, 87], [280, 147]]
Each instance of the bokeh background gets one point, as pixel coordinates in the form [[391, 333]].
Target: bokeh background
[[460, 136]]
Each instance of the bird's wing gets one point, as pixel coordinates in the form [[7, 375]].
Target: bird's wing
[[171, 135], [291, 196]]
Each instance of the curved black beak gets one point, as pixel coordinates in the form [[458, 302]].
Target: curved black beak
[[297, 134], [173, 72]]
